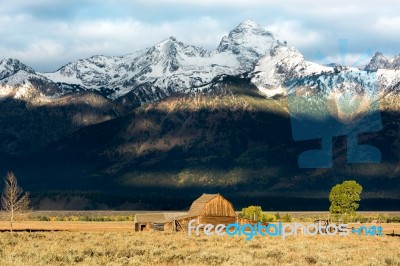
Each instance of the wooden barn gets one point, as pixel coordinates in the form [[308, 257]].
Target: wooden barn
[[209, 208]]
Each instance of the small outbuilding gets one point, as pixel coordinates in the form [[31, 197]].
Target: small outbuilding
[[153, 221]]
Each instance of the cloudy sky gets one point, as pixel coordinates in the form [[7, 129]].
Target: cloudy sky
[[46, 34]]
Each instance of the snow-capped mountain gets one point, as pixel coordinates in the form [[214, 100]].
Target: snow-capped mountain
[[168, 66], [248, 42], [9, 67], [19, 81], [279, 65], [379, 61], [388, 72], [285, 64], [171, 66]]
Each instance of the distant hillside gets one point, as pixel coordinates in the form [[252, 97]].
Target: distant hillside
[[162, 155]]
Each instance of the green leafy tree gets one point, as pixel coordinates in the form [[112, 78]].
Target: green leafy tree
[[345, 197], [253, 213]]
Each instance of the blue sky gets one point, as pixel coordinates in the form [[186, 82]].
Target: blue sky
[[46, 34]]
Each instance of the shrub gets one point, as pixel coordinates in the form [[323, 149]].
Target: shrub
[[287, 218], [269, 217]]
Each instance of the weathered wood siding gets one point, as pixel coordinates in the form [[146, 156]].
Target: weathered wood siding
[[218, 206], [187, 220], [217, 220], [168, 227], [143, 227]]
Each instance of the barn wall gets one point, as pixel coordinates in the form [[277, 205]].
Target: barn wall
[[218, 206], [217, 220], [143, 227], [168, 227], [185, 222]]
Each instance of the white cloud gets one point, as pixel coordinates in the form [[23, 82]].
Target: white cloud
[[131, 35], [312, 4], [294, 33], [208, 3], [33, 31], [387, 27], [61, 42]]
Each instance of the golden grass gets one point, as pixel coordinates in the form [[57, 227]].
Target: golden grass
[[69, 226], [162, 248]]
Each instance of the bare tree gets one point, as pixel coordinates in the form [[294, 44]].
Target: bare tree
[[13, 200]]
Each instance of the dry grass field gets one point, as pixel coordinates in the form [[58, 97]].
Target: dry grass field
[[69, 226], [114, 243]]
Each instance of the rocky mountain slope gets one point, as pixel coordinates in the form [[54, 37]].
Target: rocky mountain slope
[[283, 64], [153, 128], [33, 113], [237, 143], [379, 61]]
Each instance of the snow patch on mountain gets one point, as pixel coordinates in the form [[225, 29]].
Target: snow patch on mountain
[[281, 64]]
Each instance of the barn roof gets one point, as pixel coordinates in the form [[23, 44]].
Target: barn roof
[[198, 205]]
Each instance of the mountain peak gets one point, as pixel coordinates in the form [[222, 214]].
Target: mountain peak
[[10, 66], [8, 61], [167, 44], [248, 24], [378, 61], [170, 39], [248, 27], [249, 41]]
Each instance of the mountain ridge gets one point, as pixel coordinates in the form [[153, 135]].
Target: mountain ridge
[[171, 66]]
